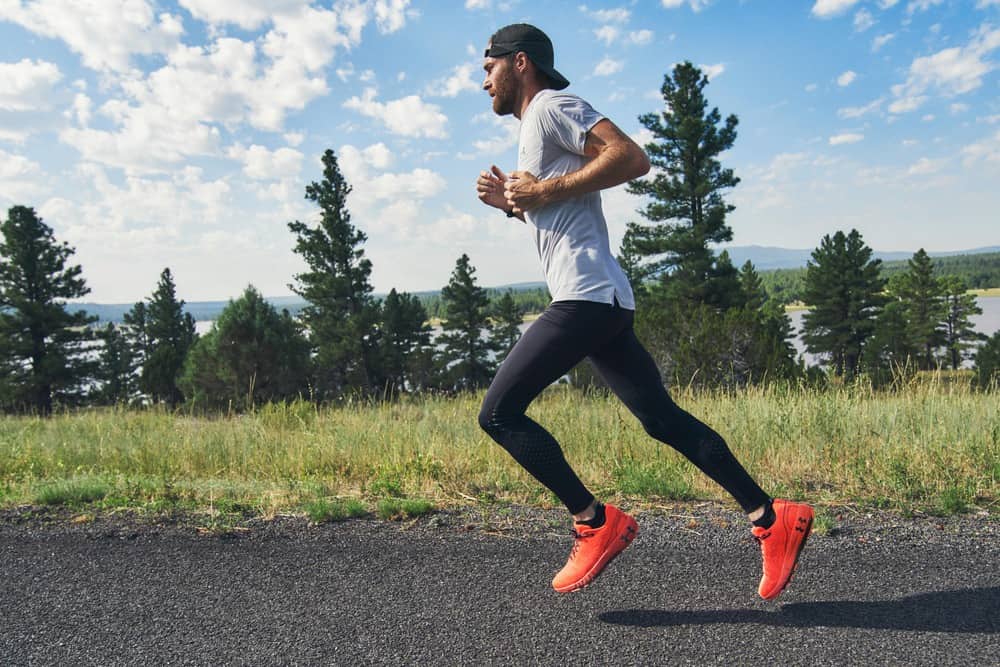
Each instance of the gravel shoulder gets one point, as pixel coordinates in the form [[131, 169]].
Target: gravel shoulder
[[471, 586]]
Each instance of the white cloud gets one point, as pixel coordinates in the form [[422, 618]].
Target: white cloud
[[846, 138], [408, 116], [106, 33], [27, 85], [460, 80], [958, 108], [260, 164], [640, 37], [618, 15], [696, 5], [478, 4], [608, 66], [846, 78], [811, 88], [881, 41], [887, 4], [953, 71], [863, 20], [857, 112], [81, 110], [983, 4], [712, 71], [385, 196], [928, 118], [294, 138], [247, 14], [987, 150], [607, 34], [21, 179], [925, 166], [922, 5], [826, 8], [507, 128], [390, 15]]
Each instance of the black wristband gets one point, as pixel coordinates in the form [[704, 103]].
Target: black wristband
[[510, 213]]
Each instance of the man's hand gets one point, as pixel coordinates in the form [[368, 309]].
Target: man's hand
[[524, 192], [490, 186]]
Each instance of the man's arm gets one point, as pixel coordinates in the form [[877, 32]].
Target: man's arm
[[615, 159]]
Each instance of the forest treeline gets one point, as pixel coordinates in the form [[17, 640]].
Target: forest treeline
[[706, 322], [978, 271]]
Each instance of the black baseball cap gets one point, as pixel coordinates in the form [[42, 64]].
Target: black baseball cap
[[535, 44]]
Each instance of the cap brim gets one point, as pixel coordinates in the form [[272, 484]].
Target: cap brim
[[558, 80]]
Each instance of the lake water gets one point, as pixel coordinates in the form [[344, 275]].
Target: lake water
[[988, 323]]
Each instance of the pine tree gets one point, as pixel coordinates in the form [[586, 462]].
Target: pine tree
[[117, 370], [687, 210], [923, 296], [136, 332], [843, 289], [752, 291], [168, 333], [960, 334], [465, 355], [43, 353], [404, 335], [988, 363], [342, 316], [505, 328], [252, 355]]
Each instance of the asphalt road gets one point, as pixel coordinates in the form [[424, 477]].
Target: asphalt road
[[473, 589]]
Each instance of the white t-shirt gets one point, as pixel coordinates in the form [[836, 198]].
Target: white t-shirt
[[571, 235]]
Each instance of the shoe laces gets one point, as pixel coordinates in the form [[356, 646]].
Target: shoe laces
[[577, 540]]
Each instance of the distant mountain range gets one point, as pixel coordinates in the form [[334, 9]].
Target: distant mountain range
[[764, 258]]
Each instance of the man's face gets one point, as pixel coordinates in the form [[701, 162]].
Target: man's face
[[500, 83]]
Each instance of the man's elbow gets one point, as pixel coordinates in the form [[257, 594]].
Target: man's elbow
[[640, 162]]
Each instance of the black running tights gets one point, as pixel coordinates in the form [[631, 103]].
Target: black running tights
[[565, 334]]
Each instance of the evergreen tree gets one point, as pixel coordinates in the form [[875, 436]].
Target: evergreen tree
[[136, 332], [404, 336], [465, 355], [43, 345], [843, 289], [505, 329], [752, 291], [687, 210], [890, 348], [117, 369], [252, 355], [988, 363], [922, 295], [342, 316], [960, 334], [169, 333], [630, 259]]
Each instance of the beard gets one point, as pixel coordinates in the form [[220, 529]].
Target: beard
[[504, 96]]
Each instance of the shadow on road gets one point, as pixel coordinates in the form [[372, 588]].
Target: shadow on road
[[975, 610]]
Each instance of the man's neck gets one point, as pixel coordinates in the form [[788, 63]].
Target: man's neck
[[527, 94]]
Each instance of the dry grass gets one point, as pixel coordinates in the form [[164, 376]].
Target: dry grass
[[933, 445]]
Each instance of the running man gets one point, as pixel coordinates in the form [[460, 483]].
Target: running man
[[567, 154]]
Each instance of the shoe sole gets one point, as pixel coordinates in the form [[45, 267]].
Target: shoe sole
[[617, 546], [795, 560]]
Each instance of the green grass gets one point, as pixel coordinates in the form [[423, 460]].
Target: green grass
[[323, 510], [933, 445], [395, 509]]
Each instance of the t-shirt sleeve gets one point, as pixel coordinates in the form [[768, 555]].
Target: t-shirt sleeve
[[568, 120]]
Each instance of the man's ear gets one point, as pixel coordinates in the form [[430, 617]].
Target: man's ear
[[521, 62]]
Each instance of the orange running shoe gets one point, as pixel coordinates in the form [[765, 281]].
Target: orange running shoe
[[781, 545], [594, 548]]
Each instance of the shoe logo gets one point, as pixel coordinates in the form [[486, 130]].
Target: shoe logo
[[801, 527]]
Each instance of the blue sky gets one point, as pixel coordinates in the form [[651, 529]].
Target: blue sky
[[150, 133]]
